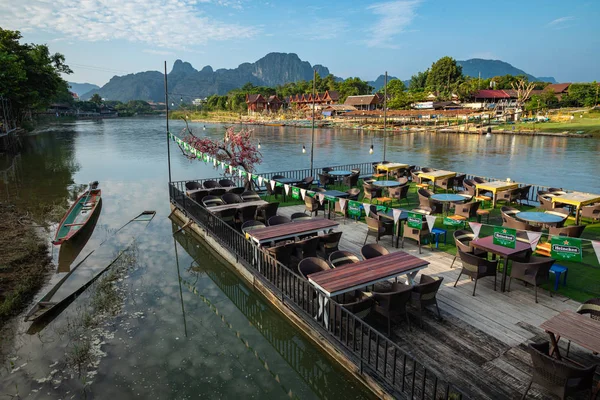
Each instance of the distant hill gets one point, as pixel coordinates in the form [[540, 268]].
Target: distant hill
[[185, 81], [82, 88], [491, 68]]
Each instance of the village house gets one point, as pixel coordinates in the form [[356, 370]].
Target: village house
[[306, 100], [559, 89], [274, 104], [256, 103], [365, 102]]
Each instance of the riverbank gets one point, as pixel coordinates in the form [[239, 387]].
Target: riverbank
[[24, 262]]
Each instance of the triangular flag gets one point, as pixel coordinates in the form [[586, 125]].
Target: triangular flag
[[596, 246], [343, 204], [430, 221], [240, 172], [215, 162], [303, 193], [230, 169], [273, 184], [287, 189], [223, 165], [321, 198], [475, 227], [367, 208], [534, 238], [260, 180], [396, 212]]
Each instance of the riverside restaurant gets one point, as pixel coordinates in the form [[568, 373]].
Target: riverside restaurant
[[422, 283]]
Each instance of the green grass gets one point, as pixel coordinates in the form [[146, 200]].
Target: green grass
[[590, 124], [583, 280]]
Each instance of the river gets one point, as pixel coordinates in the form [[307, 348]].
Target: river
[[179, 323]]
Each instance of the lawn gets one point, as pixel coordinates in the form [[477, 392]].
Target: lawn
[[589, 124], [583, 280]]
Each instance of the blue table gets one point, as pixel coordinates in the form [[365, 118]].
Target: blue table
[[446, 198], [387, 184], [340, 173], [539, 217]]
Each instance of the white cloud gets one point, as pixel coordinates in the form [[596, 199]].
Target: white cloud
[[163, 23], [559, 22], [325, 28], [158, 52], [394, 17]]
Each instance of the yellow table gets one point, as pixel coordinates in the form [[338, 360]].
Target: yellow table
[[495, 186], [390, 167], [438, 174], [576, 199]]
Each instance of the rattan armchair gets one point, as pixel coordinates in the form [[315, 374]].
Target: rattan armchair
[[211, 201], [353, 194], [231, 198], [250, 195], [312, 205], [263, 213], [392, 304], [416, 234], [424, 294], [467, 210], [278, 220], [556, 376], [462, 240], [400, 193], [350, 180], [592, 212], [378, 228], [446, 184], [373, 250], [535, 272], [371, 192], [329, 243], [476, 268], [192, 185], [341, 257], [312, 265], [226, 183], [210, 184], [307, 248]]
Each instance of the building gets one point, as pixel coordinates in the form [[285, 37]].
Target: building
[[333, 110], [75, 96], [305, 100], [365, 102], [558, 89], [274, 104], [256, 103]]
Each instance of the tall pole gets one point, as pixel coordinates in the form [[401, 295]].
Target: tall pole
[[167, 108], [384, 114], [312, 140]]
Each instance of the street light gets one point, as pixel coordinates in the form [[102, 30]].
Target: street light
[[303, 149]]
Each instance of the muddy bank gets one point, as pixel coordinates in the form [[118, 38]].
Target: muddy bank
[[24, 262]]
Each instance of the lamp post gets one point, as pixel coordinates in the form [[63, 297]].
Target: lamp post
[[312, 140], [384, 114], [167, 109]]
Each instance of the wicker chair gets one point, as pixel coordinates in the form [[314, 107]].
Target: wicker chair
[[245, 214], [592, 212], [535, 272], [462, 239], [238, 190], [523, 192], [392, 304], [373, 250], [278, 220], [351, 180], [591, 307], [573, 231], [250, 195], [312, 205], [476, 268], [299, 216], [199, 195], [403, 180], [415, 234], [508, 196], [217, 192], [424, 197], [545, 203], [371, 192], [211, 201], [307, 248], [424, 294], [312, 265], [274, 191], [226, 183], [227, 216], [329, 243], [326, 179], [415, 177], [231, 198], [308, 181], [467, 210], [282, 253], [458, 181], [353, 194], [377, 228], [514, 223], [193, 185], [470, 187], [400, 193], [210, 184], [250, 225], [558, 377], [341, 257], [446, 184], [263, 213]]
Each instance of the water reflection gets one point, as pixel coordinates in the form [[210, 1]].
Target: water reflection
[[322, 378]]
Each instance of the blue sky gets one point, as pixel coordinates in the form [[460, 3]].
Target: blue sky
[[102, 38]]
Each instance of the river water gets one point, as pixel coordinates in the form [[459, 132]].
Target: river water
[[179, 324]]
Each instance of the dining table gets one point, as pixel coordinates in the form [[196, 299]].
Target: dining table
[[577, 200], [577, 328], [538, 217], [389, 167], [217, 209], [340, 173], [494, 187], [507, 253], [290, 230], [438, 174], [447, 198]]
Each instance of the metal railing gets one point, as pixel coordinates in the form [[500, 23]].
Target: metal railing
[[372, 352]]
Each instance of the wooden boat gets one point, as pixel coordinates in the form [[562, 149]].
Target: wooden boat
[[91, 267], [78, 215]]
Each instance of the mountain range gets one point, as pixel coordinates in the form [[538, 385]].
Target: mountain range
[[82, 88], [273, 69]]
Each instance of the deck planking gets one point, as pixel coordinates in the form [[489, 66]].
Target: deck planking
[[481, 342]]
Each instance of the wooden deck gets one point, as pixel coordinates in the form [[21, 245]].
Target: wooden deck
[[480, 343]]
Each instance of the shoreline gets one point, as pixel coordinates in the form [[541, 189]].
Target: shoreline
[[336, 124]]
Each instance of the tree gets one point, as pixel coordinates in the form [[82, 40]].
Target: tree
[[396, 90], [353, 87], [418, 82], [30, 74], [96, 99], [523, 89], [442, 74], [236, 148]]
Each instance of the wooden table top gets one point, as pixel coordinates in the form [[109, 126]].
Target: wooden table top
[[391, 166], [487, 243], [437, 174], [291, 229], [576, 198], [363, 273], [497, 185], [578, 328], [216, 209], [227, 189]]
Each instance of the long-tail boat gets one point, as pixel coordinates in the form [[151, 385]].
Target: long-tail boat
[[79, 214]]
